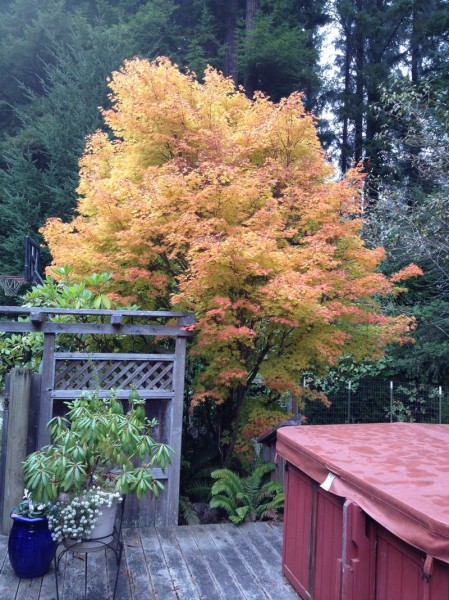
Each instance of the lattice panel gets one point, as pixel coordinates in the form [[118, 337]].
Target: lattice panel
[[120, 374]]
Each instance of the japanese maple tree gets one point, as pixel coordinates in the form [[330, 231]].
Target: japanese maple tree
[[198, 198]]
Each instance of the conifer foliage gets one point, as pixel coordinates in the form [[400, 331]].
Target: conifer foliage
[[205, 200]]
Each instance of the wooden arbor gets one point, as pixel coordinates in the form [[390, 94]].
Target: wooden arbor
[[158, 378]]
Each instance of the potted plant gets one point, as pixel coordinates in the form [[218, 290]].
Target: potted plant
[[98, 452], [30, 545], [90, 514]]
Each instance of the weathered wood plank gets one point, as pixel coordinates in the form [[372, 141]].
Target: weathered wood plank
[[9, 583], [273, 533], [26, 310], [267, 573], [157, 566], [72, 586], [3, 549], [123, 591], [175, 432], [29, 589], [121, 394], [46, 402], [19, 406], [212, 562], [183, 582], [198, 566], [227, 583], [228, 556], [98, 328], [112, 356], [33, 421], [48, 588], [97, 576], [255, 532], [139, 578], [4, 445]]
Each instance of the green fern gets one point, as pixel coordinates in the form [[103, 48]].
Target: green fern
[[247, 499], [199, 489], [220, 501], [187, 512]]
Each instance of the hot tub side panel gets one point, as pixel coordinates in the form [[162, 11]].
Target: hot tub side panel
[[313, 533], [298, 519]]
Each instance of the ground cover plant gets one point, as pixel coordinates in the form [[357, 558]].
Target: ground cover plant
[[251, 498]]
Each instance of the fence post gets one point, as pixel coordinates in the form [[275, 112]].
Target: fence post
[[391, 402], [440, 404], [349, 402], [175, 427], [19, 403], [46, 402]]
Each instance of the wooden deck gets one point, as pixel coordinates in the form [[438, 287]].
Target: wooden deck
[[207, 562]]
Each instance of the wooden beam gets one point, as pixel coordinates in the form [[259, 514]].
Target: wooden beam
[[86, 328], [155, 314], [120, 394], [99, 356]]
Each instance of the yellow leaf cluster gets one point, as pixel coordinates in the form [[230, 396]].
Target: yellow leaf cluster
[[204, 200]]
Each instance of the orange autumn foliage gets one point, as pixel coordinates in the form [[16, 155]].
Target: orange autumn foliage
[[204, 200]]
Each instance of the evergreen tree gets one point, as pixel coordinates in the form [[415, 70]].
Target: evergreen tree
[[54, 76], [279, 48], [411, 220], [377, 39]]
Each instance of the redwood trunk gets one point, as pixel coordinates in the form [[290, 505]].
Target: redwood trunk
[[230, 58]]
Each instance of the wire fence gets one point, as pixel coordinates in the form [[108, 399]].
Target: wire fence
[[380, 402]]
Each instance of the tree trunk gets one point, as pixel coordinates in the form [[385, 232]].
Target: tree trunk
[[240, 396], [346, 99], [230, 58], [415, 46], [359, 39], [251, 77], [251, 9]]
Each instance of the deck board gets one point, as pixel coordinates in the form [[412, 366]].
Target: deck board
[[202, 562], [239, 568], [157, 566]]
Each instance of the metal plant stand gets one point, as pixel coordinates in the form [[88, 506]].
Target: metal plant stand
[[115, 544]]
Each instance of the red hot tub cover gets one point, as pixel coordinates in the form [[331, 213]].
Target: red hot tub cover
[[398, 473]]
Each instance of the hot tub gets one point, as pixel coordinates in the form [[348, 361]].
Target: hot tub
[[367, 511]]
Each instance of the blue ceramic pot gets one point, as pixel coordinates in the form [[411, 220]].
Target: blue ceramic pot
[[30, 546]]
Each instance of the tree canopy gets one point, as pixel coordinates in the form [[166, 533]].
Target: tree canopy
[[204, 200]]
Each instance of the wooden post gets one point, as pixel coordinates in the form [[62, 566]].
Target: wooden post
[[19, 403], [175, 424], [4, 446], [33, 420], [48, 376]]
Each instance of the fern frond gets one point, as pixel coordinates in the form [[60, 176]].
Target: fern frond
[[226, 480], [264, 469], [276, 504], [270, 514], [199, 489], [187, 511], [240, 515], [270, 489], [223, 502]]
